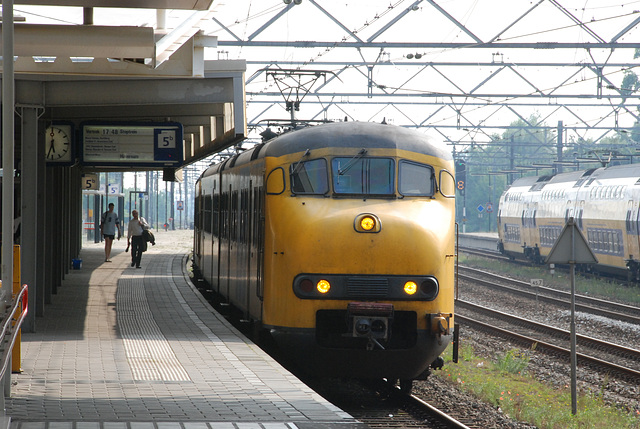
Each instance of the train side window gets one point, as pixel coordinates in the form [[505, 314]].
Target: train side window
[[310, 177], [447, 184], [275, 181], [533, 219], [215, 227], [580, 218], [207, 213], [415, 179]]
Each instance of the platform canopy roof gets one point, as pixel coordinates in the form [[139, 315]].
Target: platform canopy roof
[[147, 72], [150, 4]]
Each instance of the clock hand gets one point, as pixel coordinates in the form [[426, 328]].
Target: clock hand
[[51, 147]]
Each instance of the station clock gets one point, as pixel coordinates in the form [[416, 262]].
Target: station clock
[[59, 144]]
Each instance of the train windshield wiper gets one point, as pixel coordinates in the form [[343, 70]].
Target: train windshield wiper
[[295, 167], [352, 162]]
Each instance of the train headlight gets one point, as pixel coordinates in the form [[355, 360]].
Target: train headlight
[[429, 287], [410, 288], [306, 286], [323, 286], [367, 223]]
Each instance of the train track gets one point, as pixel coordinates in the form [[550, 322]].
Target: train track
[[493, 254], [378, 404], [601, 355], [586, 304]]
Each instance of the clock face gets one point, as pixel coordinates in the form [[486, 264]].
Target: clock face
[[58, 143]]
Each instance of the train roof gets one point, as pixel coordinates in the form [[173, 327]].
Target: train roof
[[627, 170], [357, 135], [352, 134], [527, 181], [617, 171]]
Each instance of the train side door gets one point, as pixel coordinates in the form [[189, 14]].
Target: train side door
[[198, 224], [633, 230], [256, 252], [225, 242], [215, 237]]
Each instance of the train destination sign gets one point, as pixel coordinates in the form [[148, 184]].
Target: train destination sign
[[148, 144]]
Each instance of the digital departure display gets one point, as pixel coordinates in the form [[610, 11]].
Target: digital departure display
[[132, 144]]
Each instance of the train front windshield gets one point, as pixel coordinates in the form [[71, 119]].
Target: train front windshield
[[362, 176], [368, 176]]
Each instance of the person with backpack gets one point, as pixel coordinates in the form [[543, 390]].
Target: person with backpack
[[109, 222]]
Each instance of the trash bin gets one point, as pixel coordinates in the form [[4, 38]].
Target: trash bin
[[77, 264]]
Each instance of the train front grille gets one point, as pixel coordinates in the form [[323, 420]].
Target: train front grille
[[367, 287]]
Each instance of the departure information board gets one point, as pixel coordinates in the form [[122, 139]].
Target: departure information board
[[132, 144]]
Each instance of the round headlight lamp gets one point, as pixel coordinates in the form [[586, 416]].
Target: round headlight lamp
[[429, 288], [306, 286], [323, 286], [410, 288], [367, 223]]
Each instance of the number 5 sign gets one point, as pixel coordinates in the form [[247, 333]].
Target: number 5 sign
[[90, 181], [166, 139], [168, 145]]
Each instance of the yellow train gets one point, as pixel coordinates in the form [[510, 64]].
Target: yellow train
[[339, 240], [604, 203]]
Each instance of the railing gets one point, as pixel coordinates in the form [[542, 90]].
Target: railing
[[8, 335]]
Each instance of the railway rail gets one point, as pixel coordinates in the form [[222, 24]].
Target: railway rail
[[521, 330], [379, 404], [587, 304], [493, 254]]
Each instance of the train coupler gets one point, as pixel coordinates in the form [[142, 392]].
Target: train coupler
[[370, 320], [439, 323]]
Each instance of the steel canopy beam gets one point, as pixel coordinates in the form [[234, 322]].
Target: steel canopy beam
[[426, 45], [97, 41]]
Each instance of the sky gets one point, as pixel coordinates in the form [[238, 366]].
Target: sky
[[485, 18]]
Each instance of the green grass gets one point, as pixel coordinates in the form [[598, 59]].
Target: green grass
[[506, 385], [604, 288]]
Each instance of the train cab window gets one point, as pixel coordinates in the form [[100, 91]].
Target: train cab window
[[363, 176], [415, 179], [310, 177], [275, 181]]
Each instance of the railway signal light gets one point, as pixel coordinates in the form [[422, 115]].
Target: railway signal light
[[461, 175]]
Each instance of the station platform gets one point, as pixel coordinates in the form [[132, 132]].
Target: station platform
[[479, 240], [127, 348]]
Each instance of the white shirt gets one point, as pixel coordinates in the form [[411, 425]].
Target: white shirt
[[136, 226]]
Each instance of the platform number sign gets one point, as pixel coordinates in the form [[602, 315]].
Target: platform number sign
[[90, 182], [167, 139], [166, 143]]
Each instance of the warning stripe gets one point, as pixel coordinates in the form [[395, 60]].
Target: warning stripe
[[148, 352]]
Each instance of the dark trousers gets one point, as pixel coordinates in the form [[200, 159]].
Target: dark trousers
[[136, 249]]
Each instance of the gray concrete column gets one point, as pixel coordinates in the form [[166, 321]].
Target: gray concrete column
[[29, 264]]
